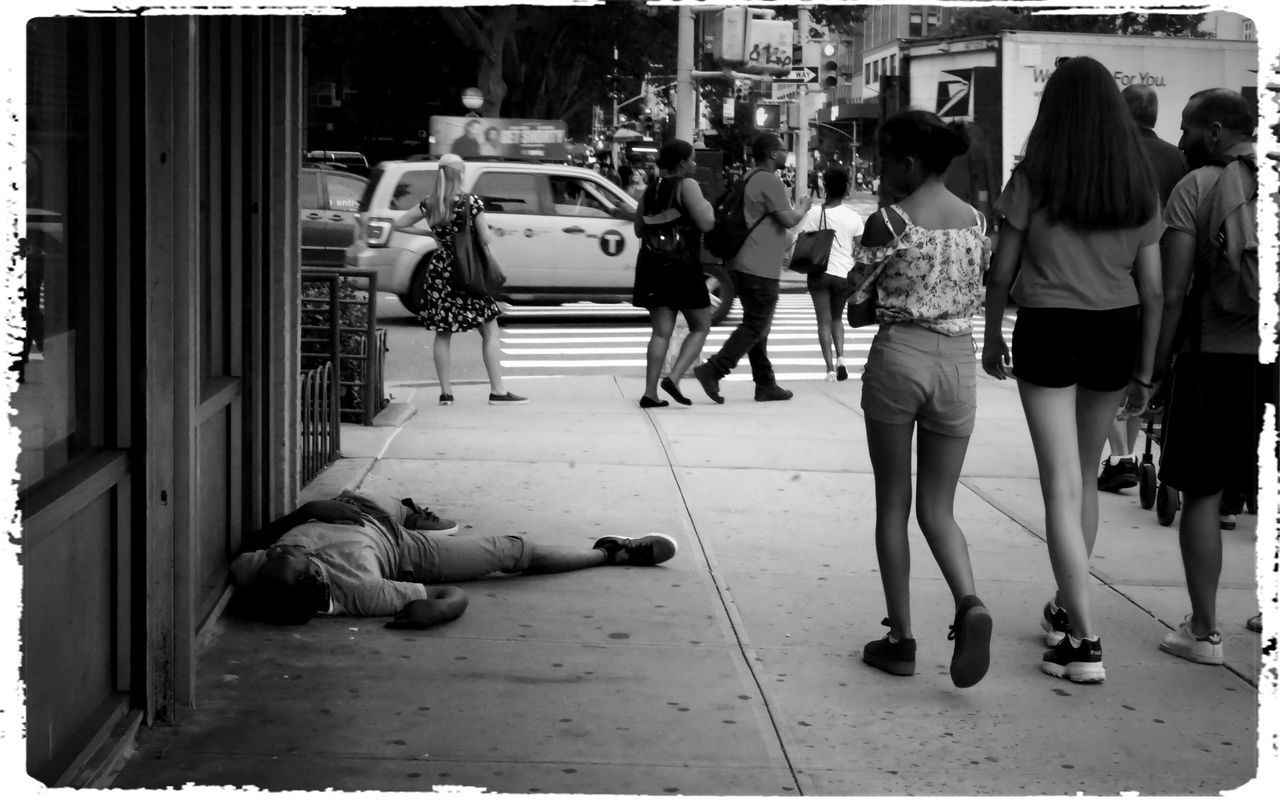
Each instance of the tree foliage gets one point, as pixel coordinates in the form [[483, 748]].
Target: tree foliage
[[989, 19]]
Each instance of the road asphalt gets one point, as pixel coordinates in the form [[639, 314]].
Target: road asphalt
[[734, 668]]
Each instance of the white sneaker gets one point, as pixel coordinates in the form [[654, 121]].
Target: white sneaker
[[1200, 649], [831, 377]]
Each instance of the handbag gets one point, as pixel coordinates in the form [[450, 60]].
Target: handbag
[[661, 233], [475, 271], [813, 249]]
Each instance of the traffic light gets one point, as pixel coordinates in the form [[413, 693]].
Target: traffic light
[[768, 116], [828, 69]]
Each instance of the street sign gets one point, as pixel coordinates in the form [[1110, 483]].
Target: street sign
[[800, 75], [785, 91]]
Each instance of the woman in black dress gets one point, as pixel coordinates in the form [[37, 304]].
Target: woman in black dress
[[673, 216], [448, 310]]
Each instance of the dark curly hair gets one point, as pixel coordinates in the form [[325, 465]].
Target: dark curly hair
[[925, 136]]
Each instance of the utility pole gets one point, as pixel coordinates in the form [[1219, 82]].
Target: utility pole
[[686, 93], [802, 135]]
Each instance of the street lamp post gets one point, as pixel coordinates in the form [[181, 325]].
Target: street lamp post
[[472, 98]]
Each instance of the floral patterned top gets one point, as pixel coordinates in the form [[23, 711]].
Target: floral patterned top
[[932, 278]]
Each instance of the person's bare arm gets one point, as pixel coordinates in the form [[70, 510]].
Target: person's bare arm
[[442, 604], [699, 209], [1177, 262], [406, 223], [320, 510]]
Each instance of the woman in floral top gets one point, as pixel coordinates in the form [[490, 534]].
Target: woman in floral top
[[923, 259], [449, 310]]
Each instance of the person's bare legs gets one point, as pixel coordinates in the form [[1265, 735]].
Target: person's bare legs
[[1200, 538], [889, 445], [440, 354], [491, 352], [548, 558], [937, 475], [1054, 417], [699, 322], [1095, 418], [822, 310], [663, 321]]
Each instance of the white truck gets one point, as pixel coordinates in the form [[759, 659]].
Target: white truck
[[994, 81]]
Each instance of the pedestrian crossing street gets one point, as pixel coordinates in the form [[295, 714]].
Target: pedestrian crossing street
[[542, 341]]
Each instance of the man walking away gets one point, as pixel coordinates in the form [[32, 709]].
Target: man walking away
[[757, 269], [1210, 442]]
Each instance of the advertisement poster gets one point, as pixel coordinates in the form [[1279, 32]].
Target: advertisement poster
[[482, 137]]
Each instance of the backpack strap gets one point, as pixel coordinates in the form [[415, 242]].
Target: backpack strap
[[745, 181]]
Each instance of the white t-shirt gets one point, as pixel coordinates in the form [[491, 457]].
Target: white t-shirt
[[848, 227]]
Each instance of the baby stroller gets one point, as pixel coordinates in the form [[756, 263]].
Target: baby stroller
[[1151, 492]]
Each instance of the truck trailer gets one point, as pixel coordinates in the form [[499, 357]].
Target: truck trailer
[[993, 82]]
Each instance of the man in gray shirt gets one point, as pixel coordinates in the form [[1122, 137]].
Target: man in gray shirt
[[757, 269]]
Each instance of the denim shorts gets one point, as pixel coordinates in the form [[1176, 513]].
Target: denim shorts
[[916, 375]]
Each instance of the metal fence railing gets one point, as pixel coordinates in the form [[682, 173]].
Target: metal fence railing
[[339, 325], [319, 430]]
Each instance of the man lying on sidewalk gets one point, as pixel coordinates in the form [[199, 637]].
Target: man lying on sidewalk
[[365, 557]]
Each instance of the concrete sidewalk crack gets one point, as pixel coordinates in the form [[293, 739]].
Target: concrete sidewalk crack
[[749, 656]]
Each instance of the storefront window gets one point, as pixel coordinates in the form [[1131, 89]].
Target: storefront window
[[52, 405]]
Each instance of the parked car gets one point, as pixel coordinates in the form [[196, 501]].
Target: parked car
[[349, 160], [327, 200], [561, 233]]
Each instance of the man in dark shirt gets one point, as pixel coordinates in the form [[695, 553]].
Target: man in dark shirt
[[1120, 469]]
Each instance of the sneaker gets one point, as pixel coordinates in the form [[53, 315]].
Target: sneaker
[[831, 377], [424, 519], [1200, 649], [710, 385], [507, 399], [647, 551], [895, 658], [842, 373], [1055, 623], [446, 399], [1121, 475], [1254, 623], [1227, 522], [1077, 660], [766, 392], [972, 633]]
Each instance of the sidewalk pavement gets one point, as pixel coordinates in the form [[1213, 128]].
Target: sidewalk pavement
[[733, 669]]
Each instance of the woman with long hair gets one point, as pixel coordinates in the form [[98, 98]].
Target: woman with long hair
[[830, 290], [672, 208], [1081, 235], [448, 310], [922, 259]]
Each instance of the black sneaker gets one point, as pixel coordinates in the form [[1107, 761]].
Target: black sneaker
[[1055, 623], [842, 372], [771, 391], [1254, 623], [646, 551], [508, 399], [446, 399], [895, 658], [709, 384], [972, 633], [1078, 661], [1121, 475]]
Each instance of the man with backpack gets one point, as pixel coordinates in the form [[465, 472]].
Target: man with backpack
[[750, 234], [1210, 325]]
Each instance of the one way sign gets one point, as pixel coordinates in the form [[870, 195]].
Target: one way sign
[[800, 75]]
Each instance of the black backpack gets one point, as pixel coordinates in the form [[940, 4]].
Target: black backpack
[[661, 232], [730, 231]]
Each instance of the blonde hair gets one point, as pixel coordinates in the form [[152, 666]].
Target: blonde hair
[[448, 187]]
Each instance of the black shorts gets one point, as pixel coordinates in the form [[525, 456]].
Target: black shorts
[[1209, 440], [1060, 347], [838, 288]]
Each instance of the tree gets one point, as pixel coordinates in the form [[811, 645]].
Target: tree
[[989, 19]]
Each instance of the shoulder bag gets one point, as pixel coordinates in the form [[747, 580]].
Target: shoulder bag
[[475, 271], [813, 248]]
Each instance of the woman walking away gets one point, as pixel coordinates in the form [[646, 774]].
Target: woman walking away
[[673, 215], [1082, 222], [922, 258], [449, 310], [830, 289]]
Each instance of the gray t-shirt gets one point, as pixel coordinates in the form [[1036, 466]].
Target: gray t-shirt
[[762, 253], [1066, 267], [1188, 211], [359, 562]]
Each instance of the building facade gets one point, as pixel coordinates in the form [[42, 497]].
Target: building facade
[[157, 381]]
